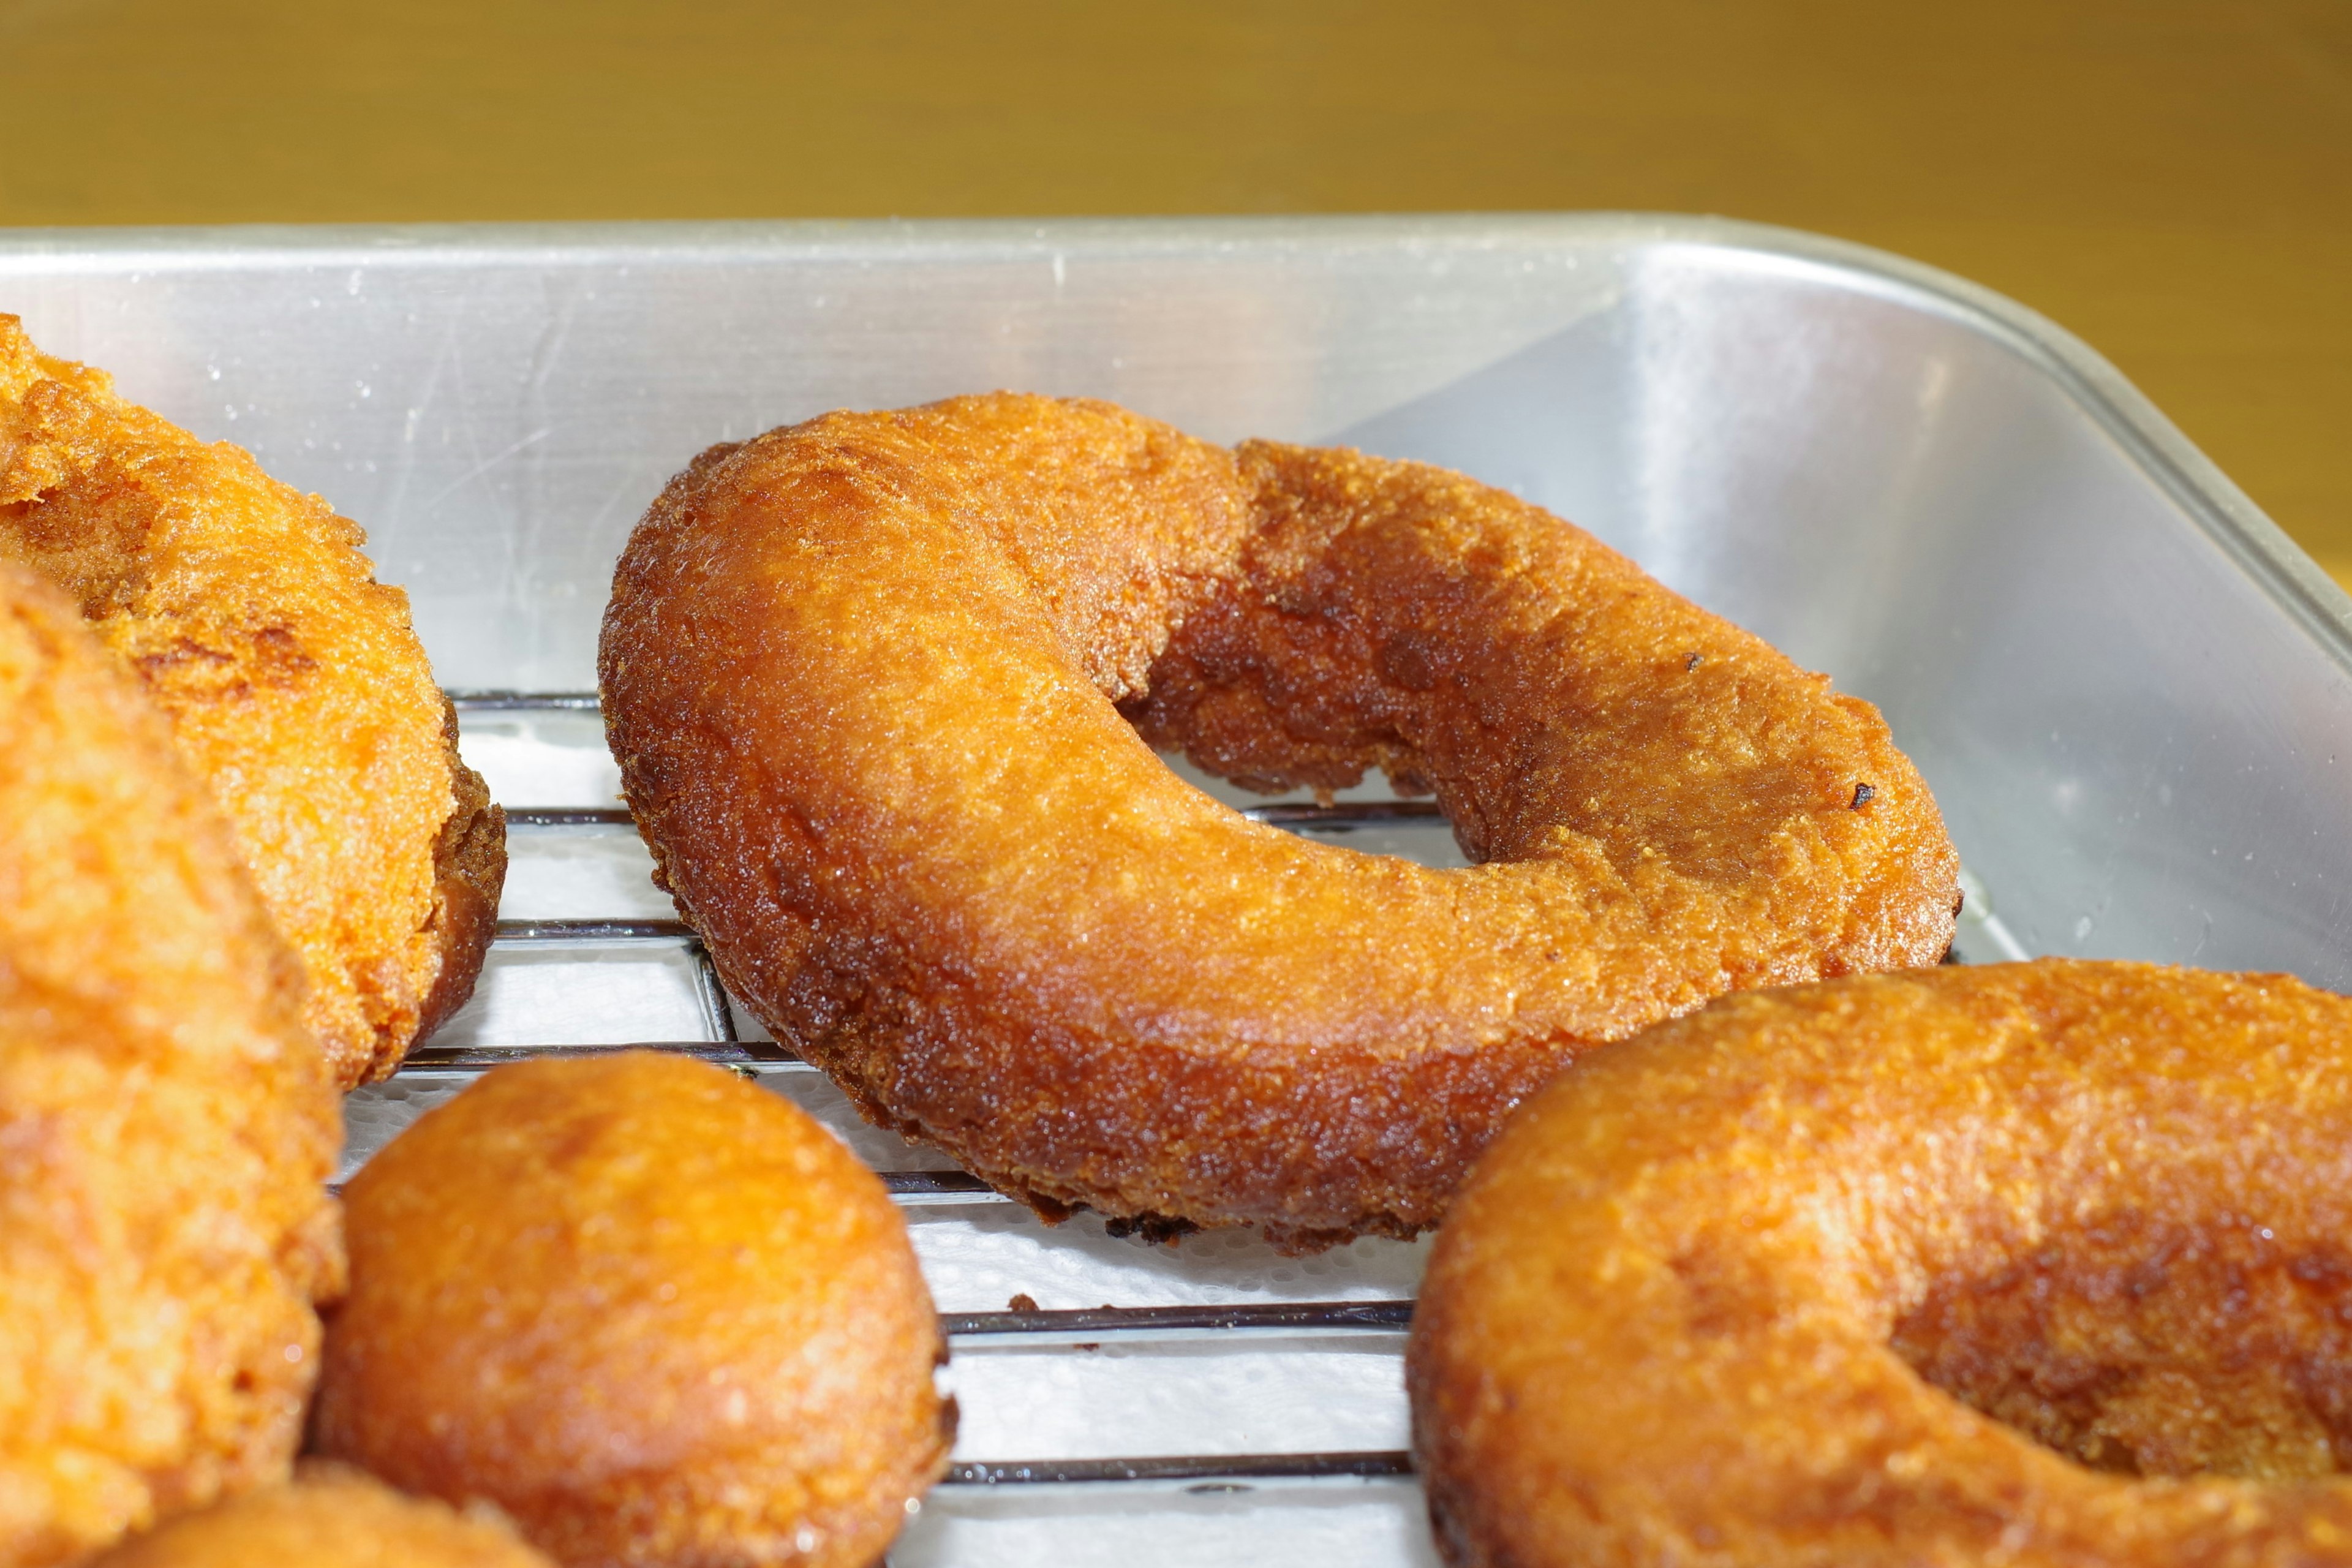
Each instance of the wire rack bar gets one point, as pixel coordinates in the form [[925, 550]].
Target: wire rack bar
[[960, 1186], [748, 1054], [1343, 814], [516, 932], [1292, 1317], [569, 816], [1237, 1469], [710, 995], [497, 700]]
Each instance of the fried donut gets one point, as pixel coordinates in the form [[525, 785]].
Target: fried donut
[[332, 1517], [653, 1313], [295, 687], [166, 1126], [2030, 1264], [860, 677]]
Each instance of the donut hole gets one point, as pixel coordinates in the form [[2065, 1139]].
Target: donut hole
[[2154, 1350], [1364, 632]]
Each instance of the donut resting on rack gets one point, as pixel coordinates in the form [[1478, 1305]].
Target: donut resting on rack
[[881, 687], [2031, 1264], [653, 1313], [294, 685]]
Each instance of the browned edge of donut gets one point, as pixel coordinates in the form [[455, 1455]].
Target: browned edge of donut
[[469, 860]]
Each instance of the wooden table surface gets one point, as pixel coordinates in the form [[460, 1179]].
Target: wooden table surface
[[2171, 179]]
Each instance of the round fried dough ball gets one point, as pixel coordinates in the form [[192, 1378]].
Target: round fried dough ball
[[166, 1124], [333, 1517], [655, 1313]]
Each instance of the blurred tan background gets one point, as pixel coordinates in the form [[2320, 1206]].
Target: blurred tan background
[[2171, 179]]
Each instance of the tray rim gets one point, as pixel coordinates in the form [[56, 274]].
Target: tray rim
[[2256, 544]]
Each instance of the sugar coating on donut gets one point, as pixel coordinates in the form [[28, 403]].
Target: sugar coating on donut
[[166, 1125], [2034, 1263], [881, 686], [650, 1312], [294, 684]]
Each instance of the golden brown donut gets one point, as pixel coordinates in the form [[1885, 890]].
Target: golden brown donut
[[331, 1517], [292, 680], [860, 675], [2031, 1265], [655, 1313], [166, 1126]]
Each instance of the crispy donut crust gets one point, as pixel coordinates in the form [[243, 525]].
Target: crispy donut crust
[[1803, 1277], [331, 1517], [652, 1312], [166, 1125], [294, 684], [860, 675]]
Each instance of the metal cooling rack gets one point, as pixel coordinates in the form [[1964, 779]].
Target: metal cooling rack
[[1237, 1326], [724, 1045]]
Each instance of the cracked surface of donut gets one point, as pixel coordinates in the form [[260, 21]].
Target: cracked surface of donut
[[881, 686], [294, 684]]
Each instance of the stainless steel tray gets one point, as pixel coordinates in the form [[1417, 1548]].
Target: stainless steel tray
[[2130, 692]]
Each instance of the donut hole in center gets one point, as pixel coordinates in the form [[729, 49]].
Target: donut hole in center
[[2154, 1350], [1389, 618]]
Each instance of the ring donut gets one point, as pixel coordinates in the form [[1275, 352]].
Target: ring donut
[[2030, 1264], [166, 1125], [864, 678], [295, 687]]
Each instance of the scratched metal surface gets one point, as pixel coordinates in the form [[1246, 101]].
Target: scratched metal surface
[[2126, 687], [2132, 695]]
